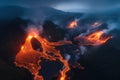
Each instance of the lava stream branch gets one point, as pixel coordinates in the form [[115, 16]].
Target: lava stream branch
[[30, 59]]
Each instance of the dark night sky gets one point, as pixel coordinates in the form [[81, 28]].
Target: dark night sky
[[68, 5]]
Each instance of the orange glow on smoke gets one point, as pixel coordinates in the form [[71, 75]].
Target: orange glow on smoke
[[73, 24], [30, 59]]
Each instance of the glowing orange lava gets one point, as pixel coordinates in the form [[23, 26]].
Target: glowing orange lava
[[94, 39], [73, 24], [97, 38], [62, 76], [30, 59]]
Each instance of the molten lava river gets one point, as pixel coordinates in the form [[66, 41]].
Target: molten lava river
[[30, 59]]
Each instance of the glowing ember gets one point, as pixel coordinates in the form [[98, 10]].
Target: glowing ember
[[94, 39], [30, 58], [73, 24]]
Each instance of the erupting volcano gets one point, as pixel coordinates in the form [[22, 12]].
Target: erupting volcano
[[59, 40], [30, 59]]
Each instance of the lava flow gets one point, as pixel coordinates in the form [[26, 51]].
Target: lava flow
[[73, 24], [93, 39], [30, 59], [97, 38]]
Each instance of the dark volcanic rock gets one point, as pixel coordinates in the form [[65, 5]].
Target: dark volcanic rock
[[52, 31]]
